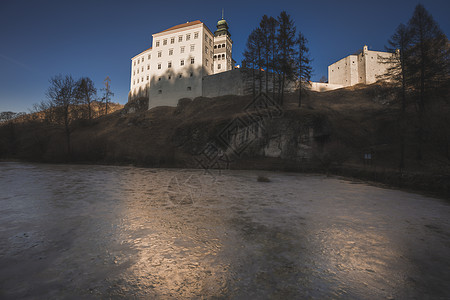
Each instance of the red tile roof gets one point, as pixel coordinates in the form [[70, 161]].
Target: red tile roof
[[182, 25]]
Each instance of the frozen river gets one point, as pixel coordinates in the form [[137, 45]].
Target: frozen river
[[82, 232]]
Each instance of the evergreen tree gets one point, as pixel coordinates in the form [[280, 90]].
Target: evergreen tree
[[400, 44], [250, 56], [268, 28], [303, 65], [286, 40], [429, 64]]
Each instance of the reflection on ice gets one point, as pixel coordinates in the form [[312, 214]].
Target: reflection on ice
[[124, 232]]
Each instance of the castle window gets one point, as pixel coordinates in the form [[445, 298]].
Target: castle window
[[192, 47], [170, 51], [188, 37], [147, 77], [142, 59], [159, 91], [134, 62], [134, 82], [219, 57], [148, 67], [149, 56], [142, 79], [159, 66], [142, 69], [157, 44], [180, 38], [182, 62], [192, 61], [223, 55], [172, 40], [219, 66], [164, 42], [138, 71], [138, 80], [220, 46], [134, 72], [210, 42], [206, 49], [169, 64], [223, 45], [215, 46], [182, 49], [196, 35], [206, 38], [159, 53], [215, 56], [189, 88], [179, 76]]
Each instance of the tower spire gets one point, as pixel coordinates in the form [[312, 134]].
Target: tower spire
[[222, 13]]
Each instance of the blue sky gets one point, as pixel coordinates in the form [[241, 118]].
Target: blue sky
[[97, 38]]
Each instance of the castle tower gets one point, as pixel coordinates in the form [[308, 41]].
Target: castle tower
[[222, 48]]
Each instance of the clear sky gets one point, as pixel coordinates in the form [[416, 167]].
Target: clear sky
[[97, 38]]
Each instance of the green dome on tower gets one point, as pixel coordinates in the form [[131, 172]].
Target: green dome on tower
[[222, 28]]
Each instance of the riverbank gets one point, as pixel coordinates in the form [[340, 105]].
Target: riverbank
[[351, 132]]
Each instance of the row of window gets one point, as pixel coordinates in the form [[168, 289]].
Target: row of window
[[142, 69], [180, 39], [141, 59], [182, 48], [142, 80], [169, 64], [218, 57], [219, 46]]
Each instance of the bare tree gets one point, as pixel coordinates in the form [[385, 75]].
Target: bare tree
[[62, 105], [107, 94], [86, 93]]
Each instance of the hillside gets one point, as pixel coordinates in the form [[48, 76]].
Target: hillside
[[332, 132]]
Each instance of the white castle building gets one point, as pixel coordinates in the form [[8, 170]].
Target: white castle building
[[365, 67], [188, 61], [180, 57]]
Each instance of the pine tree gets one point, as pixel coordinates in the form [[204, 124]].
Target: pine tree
[[400, 44], [429, 65], [304, 69], [286, 40]]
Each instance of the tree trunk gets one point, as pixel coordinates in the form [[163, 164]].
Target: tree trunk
[[300, 94]]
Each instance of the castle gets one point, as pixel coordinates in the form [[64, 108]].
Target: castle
[[178, 60], [188, 61]]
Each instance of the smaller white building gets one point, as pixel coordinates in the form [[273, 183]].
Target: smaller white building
[[364, 67]]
